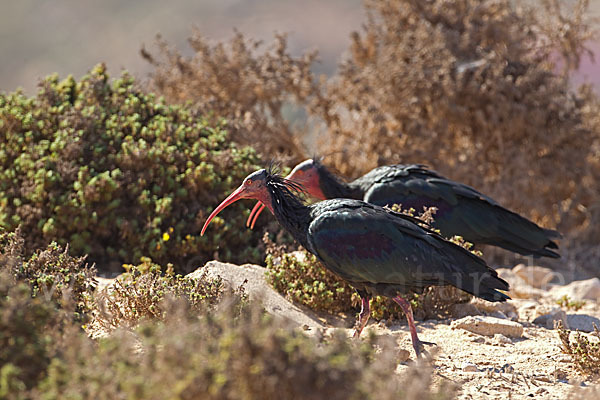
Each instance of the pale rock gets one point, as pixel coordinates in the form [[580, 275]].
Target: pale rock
[[489, 326], [403, 355], [526, 309], [519, 288], [507, 308], [461, 310], [469, 367], [501, 339], [538, 277], [498, 314], [549, 319], [582, 322], [300, 256], [588, 289], [252, 278]]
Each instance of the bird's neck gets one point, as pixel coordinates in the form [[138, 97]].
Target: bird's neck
[[334, 188], [291, 214]]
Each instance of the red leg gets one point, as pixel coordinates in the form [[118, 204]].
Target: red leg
[[363, 317], [417, 344]]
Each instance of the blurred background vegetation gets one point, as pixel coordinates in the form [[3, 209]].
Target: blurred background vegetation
[[38, 37]]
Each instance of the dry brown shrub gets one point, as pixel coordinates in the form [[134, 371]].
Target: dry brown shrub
[[234, 81], [584, 243], [223, 355], [469, 88]]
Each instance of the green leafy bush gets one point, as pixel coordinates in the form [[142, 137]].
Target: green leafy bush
[[42, 298], [29, 328], [119, 174]]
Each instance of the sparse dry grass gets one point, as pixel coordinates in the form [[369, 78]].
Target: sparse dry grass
[[468, 87], [140, 293], [51, 273], [584, 352]]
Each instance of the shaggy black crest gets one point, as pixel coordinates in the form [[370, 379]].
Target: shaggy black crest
[[274, 180], [289, 210]]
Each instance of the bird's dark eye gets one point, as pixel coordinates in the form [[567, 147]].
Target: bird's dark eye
[[248, 182]]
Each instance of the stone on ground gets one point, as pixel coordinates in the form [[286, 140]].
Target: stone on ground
[[489, 326], [549, 319], [252, 278], [538, 277], [519, 288], [588, 289], [582, 322]]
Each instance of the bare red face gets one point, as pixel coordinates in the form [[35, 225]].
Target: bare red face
[[307, 175], [253, 187]]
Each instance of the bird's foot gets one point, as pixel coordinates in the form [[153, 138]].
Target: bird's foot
[[420, 348]]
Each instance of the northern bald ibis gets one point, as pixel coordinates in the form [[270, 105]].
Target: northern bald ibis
[[461, 210], [376, 250]]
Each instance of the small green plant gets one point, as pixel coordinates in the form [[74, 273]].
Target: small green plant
[[566, 302], [140, 293], [584, 352], [428, 216], [303, 280], [42, 298]]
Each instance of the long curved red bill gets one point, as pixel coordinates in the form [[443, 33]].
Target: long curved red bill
[[232, 198], [255, 209]]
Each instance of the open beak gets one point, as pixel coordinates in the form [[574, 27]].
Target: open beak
[[258, 208], [232, 198]]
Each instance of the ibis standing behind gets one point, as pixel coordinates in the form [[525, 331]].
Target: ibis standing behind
[[461, 210], [376, 250]]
